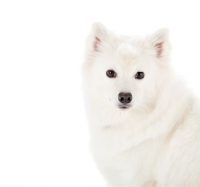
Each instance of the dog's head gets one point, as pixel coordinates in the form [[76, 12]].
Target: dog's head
[[123, 73]]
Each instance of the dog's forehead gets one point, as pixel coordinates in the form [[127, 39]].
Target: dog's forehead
[[127, 49], [125, 53], [130, 48], [128, 53]]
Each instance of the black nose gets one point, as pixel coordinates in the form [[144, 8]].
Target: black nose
[[125, 98]]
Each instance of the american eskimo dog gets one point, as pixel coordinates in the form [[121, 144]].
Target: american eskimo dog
[[144, 122]]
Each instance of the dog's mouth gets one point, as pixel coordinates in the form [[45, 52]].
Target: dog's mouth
[[124, 106]]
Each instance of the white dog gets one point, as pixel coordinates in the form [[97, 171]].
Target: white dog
[[144, 122]]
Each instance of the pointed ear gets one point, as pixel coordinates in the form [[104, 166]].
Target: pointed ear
[[97, 36], [160, 42]]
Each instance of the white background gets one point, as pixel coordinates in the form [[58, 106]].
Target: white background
[[44, 139]]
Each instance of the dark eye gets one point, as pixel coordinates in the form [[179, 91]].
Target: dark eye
[[111, 74], [139, 75]]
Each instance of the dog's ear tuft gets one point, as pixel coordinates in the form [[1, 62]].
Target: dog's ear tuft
[[98, 35], [160, 42]]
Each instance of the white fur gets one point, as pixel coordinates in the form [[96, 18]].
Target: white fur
[[156, 142]]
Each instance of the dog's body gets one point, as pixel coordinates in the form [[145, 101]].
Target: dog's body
[[154, 138]]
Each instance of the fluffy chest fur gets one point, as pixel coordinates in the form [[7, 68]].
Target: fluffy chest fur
[[122, 162]]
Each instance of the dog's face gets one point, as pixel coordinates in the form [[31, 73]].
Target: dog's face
[[125, 73]]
